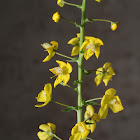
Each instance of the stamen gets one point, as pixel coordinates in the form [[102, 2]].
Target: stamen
[[53, 76]]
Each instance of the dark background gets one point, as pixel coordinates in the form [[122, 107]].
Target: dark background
[[25, 24]]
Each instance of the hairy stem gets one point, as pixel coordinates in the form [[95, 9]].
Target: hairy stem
[[80, 62]]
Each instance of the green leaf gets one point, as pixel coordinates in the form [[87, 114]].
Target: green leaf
[[76, 89], [68, 109], [73, 60], [89, 103], [76, 82], [89, 138]]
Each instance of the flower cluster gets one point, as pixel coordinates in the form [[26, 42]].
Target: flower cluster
[[85, 47]]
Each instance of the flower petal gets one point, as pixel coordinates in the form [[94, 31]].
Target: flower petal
[[41, 96], [76, 136], [88, 54], [55, 45], [48, 88], [66, 78], [107, 65], [106, 78], [97, 51], [47, 58], [90, 110], [52, 126], [98, 42], [74, 41], [58, 80], [103, 111], [98, 79], [84, 134], [75, 50], [84, 44], [69, 67], [116, 107], [78, 35], [42, 135], [48, 99], [111, 71], [45, 127], [92, 126], [61, 63], [96, 117], [111, 92], [99, 71]]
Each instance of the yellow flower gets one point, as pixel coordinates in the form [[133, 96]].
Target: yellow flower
[[60, 3], [45, 95], [63, 72], [110, 101], [98, 1], [56, 17], [90, 46], [104, 74], [75, 42], [114, 25], [91, 117], [79, 132], [50, 49], [48, 131]]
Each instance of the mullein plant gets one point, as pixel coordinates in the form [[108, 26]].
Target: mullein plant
[[83, 47]]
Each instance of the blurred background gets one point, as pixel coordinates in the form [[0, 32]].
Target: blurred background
[[25, 24]]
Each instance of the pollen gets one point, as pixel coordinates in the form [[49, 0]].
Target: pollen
[[92, 47]]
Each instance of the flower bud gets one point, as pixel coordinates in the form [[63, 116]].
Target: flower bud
[[114, 25], [98, 1], [60, 3], [56, 17]]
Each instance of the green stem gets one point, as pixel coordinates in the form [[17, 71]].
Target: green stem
[[94, 99], [72, 4], [56, 137], [99, 20], [60, 103], [89, 138], [63, 55], [71, 22], [80, 62], [69, 86]]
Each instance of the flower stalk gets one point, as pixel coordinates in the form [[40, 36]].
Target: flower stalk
[[71, 4], [56, 137], [94, 99], [80, 62], [60, 103], [63, 55]]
